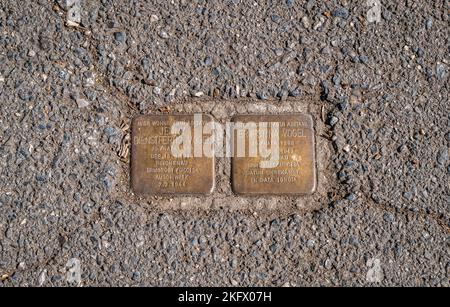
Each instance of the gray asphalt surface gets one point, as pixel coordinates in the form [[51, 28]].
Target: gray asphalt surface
[[68, 93]]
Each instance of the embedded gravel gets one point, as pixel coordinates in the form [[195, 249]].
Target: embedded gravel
[[68, 92]]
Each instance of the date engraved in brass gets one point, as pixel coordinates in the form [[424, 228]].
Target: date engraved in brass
[[155, 170], [293, 172]]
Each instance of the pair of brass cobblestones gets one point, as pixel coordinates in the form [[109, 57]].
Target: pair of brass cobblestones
[[287, 169]]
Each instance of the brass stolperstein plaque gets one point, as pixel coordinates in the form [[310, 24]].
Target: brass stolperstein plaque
[[154, 168], [290, 169]]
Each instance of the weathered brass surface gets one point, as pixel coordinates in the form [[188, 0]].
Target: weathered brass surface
[[296, 171], [155, 171]]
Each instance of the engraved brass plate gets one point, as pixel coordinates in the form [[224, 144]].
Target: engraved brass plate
[[154, 168], [295, 172]]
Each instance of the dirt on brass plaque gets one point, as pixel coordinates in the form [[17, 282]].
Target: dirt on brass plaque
[[279, 155], [156, 170]]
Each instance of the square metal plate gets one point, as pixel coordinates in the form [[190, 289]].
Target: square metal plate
[[295, 172], [155, 170]]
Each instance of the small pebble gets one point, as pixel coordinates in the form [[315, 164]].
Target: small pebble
[[208, 61], [294, 93], [164, 35], [420, 52], [40, 178], [109, 131], [340, 12], [82, 103], [119, 37], [443, 156], [440, 71], [276, 18], [343, 105], [333, 121], [262, 95], [136, 276], [364, 59], [387, 15], [306, 23], [429, 23], [336, 80], [157, 91], [388, 218], [87, 208], [408, 195], [154, 18], [290, 3], [351, 197], [402, 149], [273, 248]]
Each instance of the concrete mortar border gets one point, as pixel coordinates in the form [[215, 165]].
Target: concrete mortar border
[[223, 197]]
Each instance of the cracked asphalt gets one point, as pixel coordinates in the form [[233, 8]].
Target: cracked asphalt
[[378, 90]]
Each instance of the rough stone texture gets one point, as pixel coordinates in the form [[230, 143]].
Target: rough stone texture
[[68, 92]]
